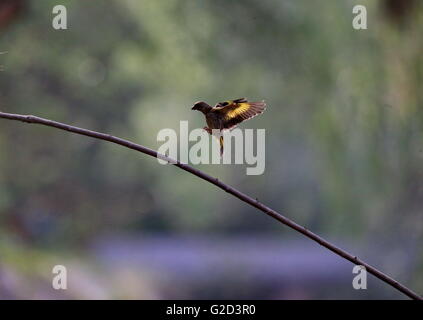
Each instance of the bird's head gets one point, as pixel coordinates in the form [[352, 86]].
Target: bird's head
[[201, 106]]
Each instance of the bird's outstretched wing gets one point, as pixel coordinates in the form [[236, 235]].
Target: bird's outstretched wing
[[236, 111], [223, 104]]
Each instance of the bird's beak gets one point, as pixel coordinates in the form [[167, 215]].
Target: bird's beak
[[193, 108]]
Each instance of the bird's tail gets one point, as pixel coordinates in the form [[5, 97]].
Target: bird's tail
[[221, 146]]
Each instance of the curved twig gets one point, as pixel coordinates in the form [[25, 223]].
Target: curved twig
[[243, 197]]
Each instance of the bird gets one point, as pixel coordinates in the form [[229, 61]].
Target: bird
[[228, 114]]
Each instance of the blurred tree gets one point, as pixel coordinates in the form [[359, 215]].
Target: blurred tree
[[10, 10], [399, 11]]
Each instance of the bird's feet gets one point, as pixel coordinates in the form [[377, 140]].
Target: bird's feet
[[208, 130]]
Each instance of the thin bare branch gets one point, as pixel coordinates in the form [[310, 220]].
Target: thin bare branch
[[243, 197]]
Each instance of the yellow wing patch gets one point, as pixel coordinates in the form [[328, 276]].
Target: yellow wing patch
[[240, 110]]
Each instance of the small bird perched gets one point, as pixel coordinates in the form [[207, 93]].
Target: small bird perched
[[228, 114]]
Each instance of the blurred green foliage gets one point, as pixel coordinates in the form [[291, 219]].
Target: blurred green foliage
[[343, 127]]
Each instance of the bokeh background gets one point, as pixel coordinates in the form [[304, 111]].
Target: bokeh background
[[344, 152]]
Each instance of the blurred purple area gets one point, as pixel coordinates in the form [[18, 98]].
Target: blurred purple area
[[259, 267]]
